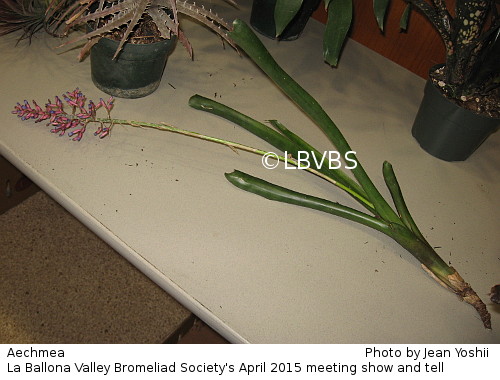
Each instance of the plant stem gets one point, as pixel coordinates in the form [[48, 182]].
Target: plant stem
[[234, 145]]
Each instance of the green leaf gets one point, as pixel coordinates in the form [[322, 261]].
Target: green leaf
[[281, 194], [284, 12], [397, 196], [259, 129], [380, 9], [405, 17], [337, 27]]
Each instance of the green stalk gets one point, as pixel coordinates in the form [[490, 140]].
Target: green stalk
[[234, 145], [250, 43]]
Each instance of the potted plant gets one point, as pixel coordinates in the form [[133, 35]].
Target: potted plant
[[461, 103], [130, 40]]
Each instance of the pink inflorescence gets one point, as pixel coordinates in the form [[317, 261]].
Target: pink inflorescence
[[83, 112]]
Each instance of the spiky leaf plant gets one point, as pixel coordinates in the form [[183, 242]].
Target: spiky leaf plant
[[25, 15], [106, 16]]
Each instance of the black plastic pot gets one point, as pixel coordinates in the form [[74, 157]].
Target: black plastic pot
[[135, 73], [262, 19], [448, 131]]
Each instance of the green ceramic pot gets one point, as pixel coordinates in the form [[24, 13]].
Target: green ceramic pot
[[262, 19], [135, 73], [448, 131]]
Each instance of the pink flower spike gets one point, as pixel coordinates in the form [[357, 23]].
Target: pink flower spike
[[83, 111]]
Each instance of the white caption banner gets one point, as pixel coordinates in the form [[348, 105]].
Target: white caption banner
[[247, 361]]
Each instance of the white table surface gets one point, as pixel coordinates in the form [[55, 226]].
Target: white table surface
[[259, 271]]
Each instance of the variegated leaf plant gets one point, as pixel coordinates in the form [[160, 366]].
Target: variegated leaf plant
[[470, 30]]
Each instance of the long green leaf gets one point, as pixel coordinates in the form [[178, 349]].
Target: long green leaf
[[281, 194], [401, 234], [284, 12], [337, 27], [399, 202], [259, 129], [250, 43], [380, 10], [405, 18]]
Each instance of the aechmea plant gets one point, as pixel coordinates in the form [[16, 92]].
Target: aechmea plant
[[373, 210]]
